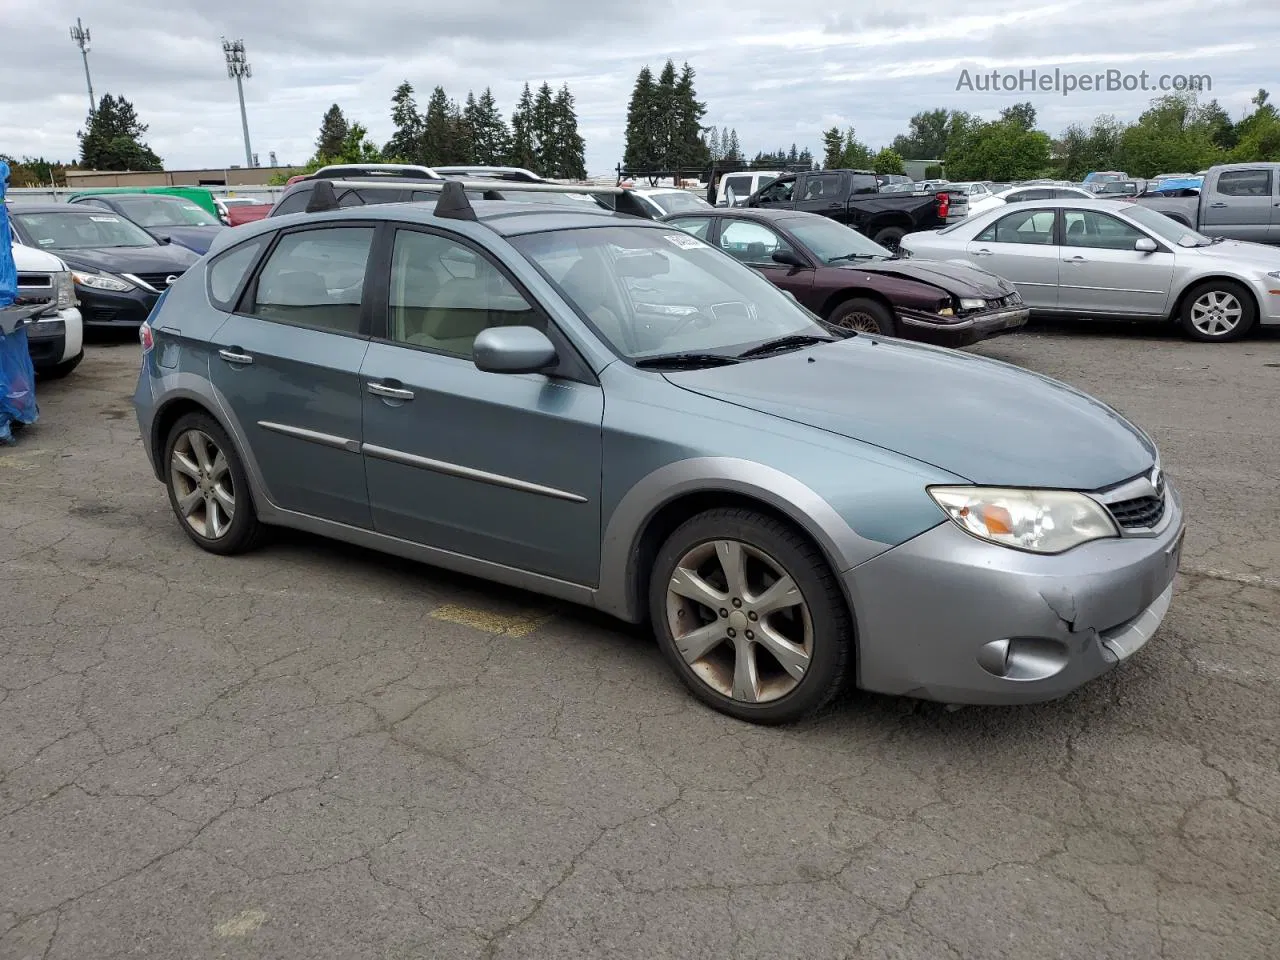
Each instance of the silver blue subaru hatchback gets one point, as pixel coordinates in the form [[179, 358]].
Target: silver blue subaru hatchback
[[610, 411]]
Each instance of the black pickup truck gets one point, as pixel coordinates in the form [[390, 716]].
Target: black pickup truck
[[853, 197]]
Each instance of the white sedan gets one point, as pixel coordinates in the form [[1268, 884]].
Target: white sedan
[[1109, 259]]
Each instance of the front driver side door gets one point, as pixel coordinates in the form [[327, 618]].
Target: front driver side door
[[1022, 247], [754, 244], [1102, 272], [500, 467]]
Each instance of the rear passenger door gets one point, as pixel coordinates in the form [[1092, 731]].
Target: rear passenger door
[[287, 362], [504, 468], [821, 193]]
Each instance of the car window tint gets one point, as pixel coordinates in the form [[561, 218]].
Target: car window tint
[[779, 191], [228, 269], [750, 242], [822, 187], [741, 186], [444, 293], [315, 278], [295, 202], [1245, 183], [1088, 228], [1025, 226], [698, 226], [350, 199]]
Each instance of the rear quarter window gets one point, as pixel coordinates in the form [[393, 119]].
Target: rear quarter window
[[228, 270]]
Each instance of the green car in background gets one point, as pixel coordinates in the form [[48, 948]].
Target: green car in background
[[200, 196]]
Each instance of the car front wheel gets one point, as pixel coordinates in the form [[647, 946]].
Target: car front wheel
[[750, 616], [863, 315], [208, 489], [1218, 311]]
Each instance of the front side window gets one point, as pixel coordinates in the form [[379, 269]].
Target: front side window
[[79, 230], [1026, 226], [444, 293], [779, 191], [654, 292], [315, 278], [1088, 228], [750, 242]]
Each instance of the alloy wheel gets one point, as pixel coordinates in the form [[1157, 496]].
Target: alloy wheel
[[862, 322], [202, 484], [1216, 313], [739, 621]]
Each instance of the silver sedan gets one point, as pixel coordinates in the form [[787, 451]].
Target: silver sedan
[[1115, 260]]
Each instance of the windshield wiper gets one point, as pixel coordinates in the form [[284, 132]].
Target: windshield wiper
[[677, 360], [856, 256], [793, 341]]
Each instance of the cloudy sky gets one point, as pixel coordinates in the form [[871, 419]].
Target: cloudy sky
[[777, 76]]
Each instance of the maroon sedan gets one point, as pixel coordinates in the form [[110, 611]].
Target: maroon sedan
[[853, 282]]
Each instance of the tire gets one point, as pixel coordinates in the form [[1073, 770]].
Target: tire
[[210, 523], [813, 632], [865, 316], [60, 370], [1217, 311], [889, 237]]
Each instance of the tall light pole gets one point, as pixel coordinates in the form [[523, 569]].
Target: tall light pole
[[80, 34], [238, 68]]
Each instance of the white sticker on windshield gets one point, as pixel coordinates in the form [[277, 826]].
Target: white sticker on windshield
[[105, 219], [192, 207], [684, 241]]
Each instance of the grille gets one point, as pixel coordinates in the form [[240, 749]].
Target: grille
[[158, 280], [1012, 300], [1139, 512], [43, 281]]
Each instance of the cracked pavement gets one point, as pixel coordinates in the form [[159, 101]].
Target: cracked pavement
[[315, 751]]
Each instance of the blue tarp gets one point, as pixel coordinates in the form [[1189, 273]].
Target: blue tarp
[[17, 376], [1180, 183]]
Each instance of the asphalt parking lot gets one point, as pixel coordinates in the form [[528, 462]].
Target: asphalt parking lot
[[314, 751]]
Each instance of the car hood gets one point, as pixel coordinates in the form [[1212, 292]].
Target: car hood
[[34, 259], [197, 238], [959, 279], [986, 421], [1256, 254], [169, 258]]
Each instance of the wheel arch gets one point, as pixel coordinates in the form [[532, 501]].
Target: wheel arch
[[669, 496], [1181, 300], [853, 293]]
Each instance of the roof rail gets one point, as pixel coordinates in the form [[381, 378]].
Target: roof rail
[[347, 171], [498, 173], [483, 186]]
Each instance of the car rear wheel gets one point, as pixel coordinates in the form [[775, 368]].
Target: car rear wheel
[[889, 237], [750, 616], [208, 489], [863, 315], [1218, 311]]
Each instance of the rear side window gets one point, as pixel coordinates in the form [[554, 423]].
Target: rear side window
[[228, 270], [1245, 183], [295, 202], [315, 278]]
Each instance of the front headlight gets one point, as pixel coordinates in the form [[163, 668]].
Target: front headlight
[[968, 303], [66, 293], [1041, 521], [1274, 274], [102, 281]]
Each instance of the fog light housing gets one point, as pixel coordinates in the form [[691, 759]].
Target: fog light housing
[[1023, 658]]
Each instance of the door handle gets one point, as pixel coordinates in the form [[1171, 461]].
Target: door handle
[[1076, 260], [1218, 206], [391, 393], [234, 356], [982, 253]]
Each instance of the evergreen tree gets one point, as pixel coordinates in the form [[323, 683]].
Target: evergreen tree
[[334, 129], [733, 149], [405, 145], [522, 145], [542, 128], [112, 140], [688, 147], [490, 138], [793, 155], [640, 152], [666, 118], [806, 158], [712, 139], [570, 149], [833, 148], [439, 130]]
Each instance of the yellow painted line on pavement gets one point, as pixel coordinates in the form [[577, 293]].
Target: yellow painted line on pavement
[[517, 624]]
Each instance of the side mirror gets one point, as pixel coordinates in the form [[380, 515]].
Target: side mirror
[[790, 258], [513, 350], [164, 238], [1145, 245]]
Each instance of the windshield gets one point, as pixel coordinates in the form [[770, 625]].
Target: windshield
[[1165, 227], [682, 202], [78, 231], [833, 242], [160, 212], [656, 292]]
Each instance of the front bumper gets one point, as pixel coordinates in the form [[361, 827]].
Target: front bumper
[[55, 338], [102, 308], [960, 333], [949, 617]]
